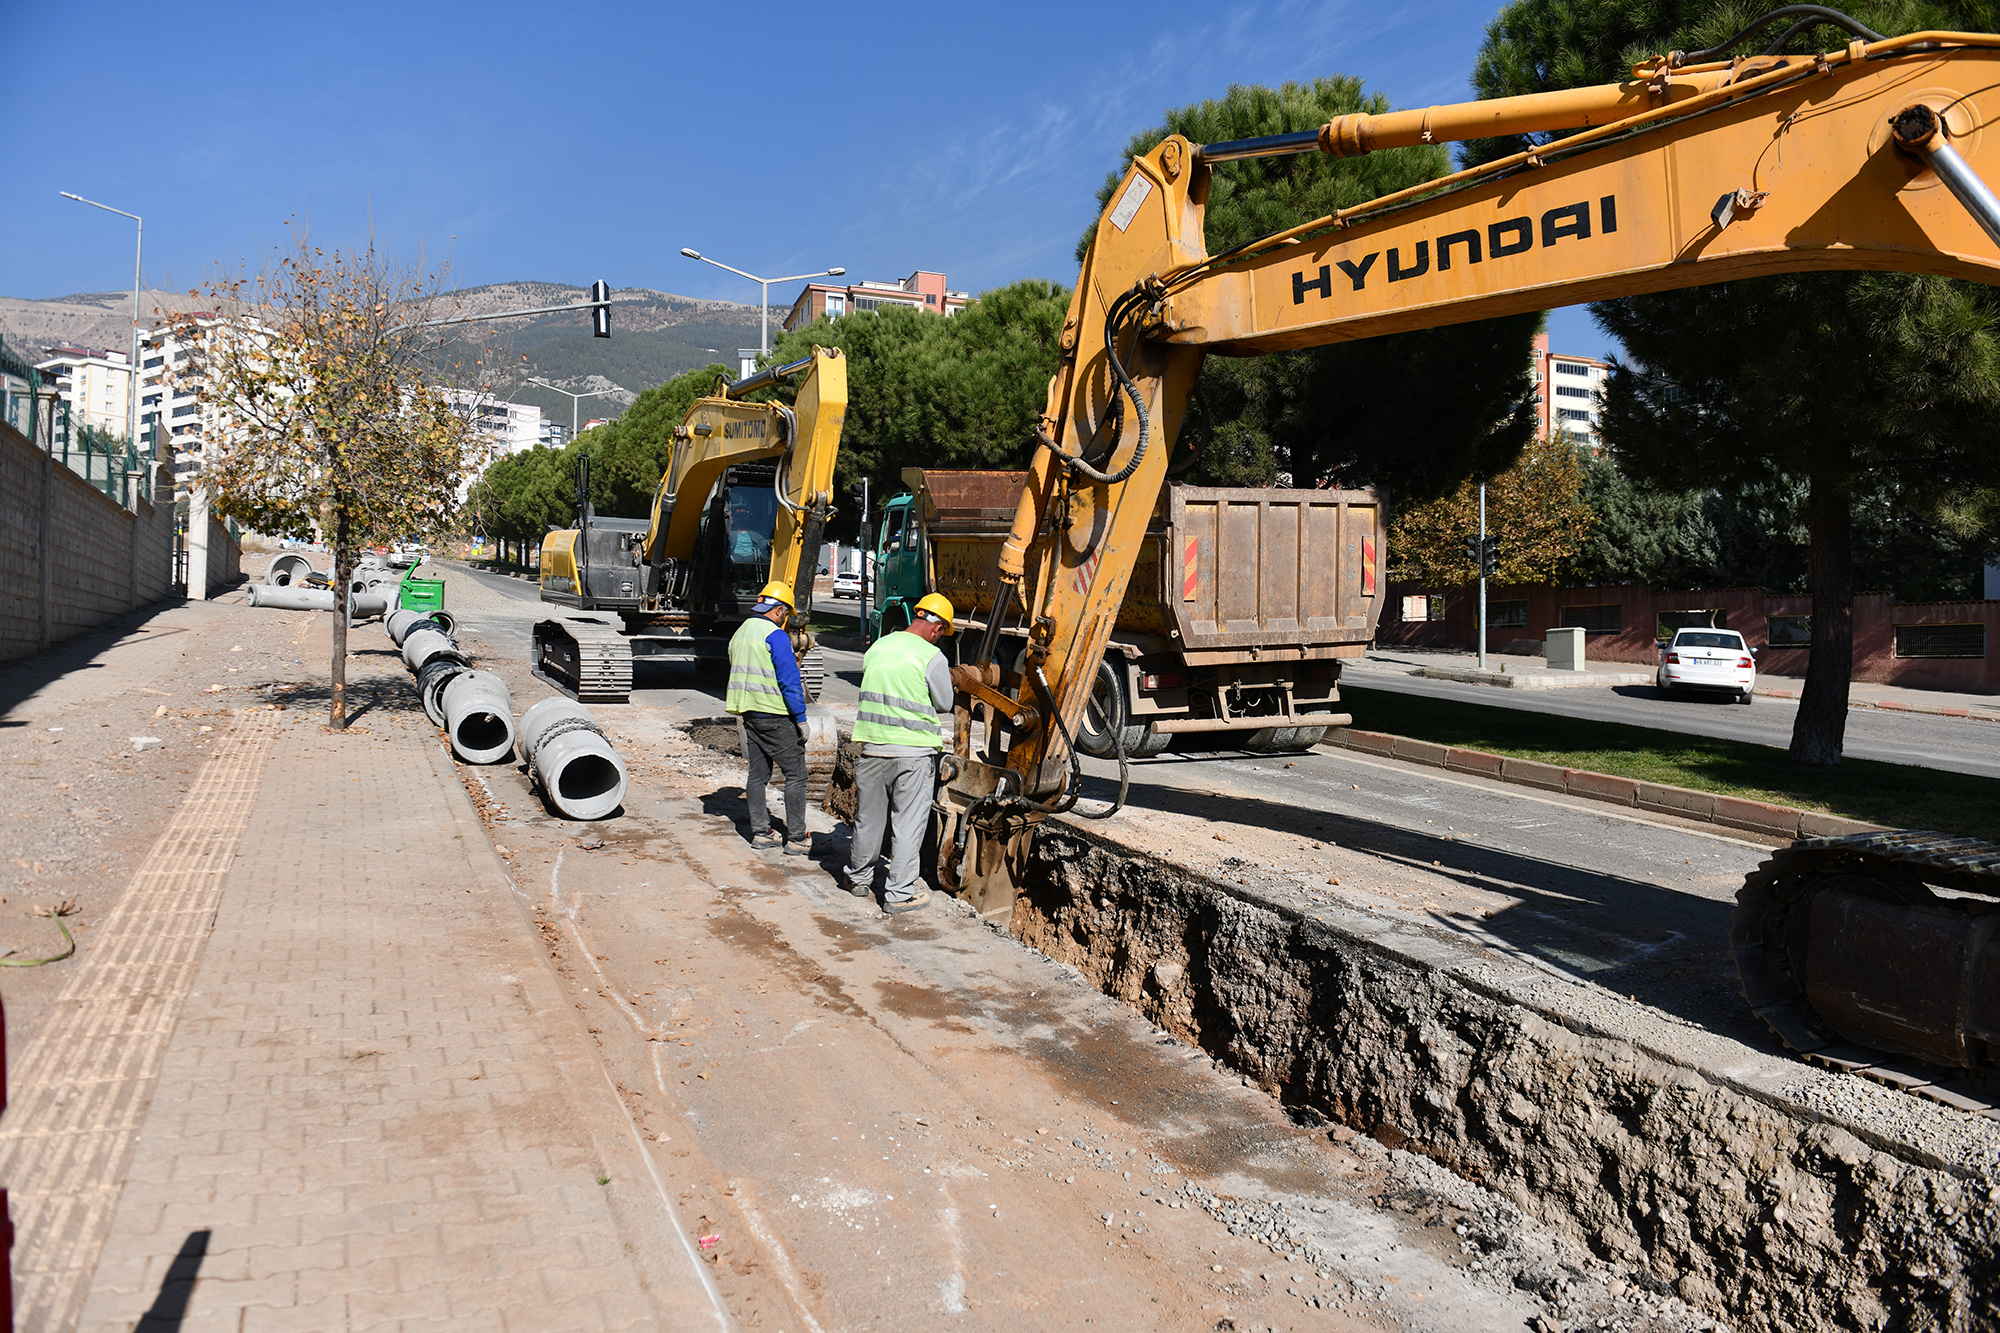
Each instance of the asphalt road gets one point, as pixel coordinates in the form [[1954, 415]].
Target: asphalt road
[[1956, 745]]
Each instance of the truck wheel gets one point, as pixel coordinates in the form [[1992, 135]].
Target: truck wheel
[[1309, 737], [1269, 740], [1142, 742], [1104, 716]]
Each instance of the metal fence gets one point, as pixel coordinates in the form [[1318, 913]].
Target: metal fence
[[115, 467]]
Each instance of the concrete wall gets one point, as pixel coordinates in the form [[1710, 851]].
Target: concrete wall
[[1746, 610], [214, 558], [70, 557], [225, 557]]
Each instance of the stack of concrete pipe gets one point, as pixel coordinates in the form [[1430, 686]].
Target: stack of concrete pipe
[[431, 654], [299, 597], [472, 706], [294, 585]]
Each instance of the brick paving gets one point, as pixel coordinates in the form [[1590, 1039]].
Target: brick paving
[[377, 1110], [83, 1085]]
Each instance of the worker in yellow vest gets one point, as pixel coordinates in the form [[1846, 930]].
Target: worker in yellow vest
[[766, 692], [905, 684]]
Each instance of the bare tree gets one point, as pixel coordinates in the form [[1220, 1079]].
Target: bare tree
[[329, 408]]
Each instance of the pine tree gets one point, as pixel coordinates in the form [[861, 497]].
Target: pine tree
[[1838, 381]]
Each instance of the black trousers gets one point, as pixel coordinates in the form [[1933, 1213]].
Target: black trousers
[[772, 740]]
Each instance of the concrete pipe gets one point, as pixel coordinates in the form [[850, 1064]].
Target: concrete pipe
[[446, 621], [289, 569], [479, 717], [423, 643], [362, 606], [402, 623], [436, 674], [577, 769]]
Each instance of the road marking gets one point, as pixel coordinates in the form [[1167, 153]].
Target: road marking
[[87, 1078]]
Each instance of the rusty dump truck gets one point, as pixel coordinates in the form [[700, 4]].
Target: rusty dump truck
[[1240, 608]]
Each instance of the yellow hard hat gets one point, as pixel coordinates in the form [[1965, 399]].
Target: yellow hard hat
[[778, 591], [938, 605]]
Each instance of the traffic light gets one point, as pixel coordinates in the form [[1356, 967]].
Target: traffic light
[[859, 494], [600, 309], [1484, 553]]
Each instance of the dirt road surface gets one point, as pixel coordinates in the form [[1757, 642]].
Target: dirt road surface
[[895, 1122]]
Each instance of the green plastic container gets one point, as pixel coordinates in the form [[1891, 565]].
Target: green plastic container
[[415, 594]]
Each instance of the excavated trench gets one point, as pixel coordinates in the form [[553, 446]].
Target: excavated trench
[[1755, 1211]]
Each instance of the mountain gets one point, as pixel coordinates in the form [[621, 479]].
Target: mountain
[[89, 319], [654, 336]]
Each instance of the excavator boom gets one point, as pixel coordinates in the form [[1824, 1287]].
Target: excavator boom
[[1780, 164], [1697, 170]]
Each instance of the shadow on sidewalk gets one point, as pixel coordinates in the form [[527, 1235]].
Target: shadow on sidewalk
[[389, 696], [169, 1308], [20, 679]]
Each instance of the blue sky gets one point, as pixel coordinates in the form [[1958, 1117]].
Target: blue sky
[[568, 143]]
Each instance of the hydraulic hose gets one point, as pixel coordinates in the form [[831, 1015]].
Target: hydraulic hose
[[1076, 759], [1075, 463], [1814, 15]]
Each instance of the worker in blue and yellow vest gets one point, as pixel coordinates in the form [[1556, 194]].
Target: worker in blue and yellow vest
[[765, 691], [905, 684]]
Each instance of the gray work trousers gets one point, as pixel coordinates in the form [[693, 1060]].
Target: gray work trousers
[[892, 796], [773, 738]]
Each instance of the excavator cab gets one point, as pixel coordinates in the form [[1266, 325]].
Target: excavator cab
[[736, 538]]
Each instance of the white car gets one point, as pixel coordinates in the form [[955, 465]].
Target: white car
[[1708, 659], [846, 585]]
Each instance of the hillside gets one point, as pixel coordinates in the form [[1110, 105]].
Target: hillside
[[655, 335]]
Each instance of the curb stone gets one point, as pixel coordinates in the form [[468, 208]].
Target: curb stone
[[1781, 821]]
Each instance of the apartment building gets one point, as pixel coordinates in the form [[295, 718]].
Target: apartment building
[[1568, 389], [172, 418], [922, 290], [94, 384], [515, 427]]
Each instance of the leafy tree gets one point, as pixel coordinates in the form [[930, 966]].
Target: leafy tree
[[1414, 412], [921, 391], [1838, 381], [328, 417], [1536, 508]]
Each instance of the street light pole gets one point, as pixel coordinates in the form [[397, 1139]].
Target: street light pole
[[574, 398], [138, 255], [765, 349]]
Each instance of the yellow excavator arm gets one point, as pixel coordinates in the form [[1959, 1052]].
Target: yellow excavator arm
[[723, 430], [1867, 158], [1695, 171]]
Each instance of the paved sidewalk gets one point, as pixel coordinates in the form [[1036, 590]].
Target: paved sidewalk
[[1861, 693], [378, 1110]]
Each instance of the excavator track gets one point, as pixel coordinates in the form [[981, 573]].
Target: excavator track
[[812, 673], [587, 657], [1879, 954]]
